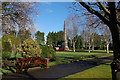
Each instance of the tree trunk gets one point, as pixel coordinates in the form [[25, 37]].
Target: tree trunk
[[116, 41], [84, 44], [116, 46], [89, 47], [107, 47], [93, 47], [92, 42], [73, 46], [115, 31]]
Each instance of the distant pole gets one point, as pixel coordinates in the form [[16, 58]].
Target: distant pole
[[65, 38]]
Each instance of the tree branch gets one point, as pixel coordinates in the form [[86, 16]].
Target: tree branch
[[95, 12], [103, 8]]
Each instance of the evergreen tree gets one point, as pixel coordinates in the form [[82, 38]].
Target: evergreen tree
[[39, 37]]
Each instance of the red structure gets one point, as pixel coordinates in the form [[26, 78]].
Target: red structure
[[22, 64], [62, 49]]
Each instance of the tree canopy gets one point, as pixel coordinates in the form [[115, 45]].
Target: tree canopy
[[16, 15], [39, 37]]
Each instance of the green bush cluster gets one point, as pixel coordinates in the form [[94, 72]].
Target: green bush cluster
[[48, 52], [9, 43], [12, 47], [6, 55], [9, 55], [29, 48]]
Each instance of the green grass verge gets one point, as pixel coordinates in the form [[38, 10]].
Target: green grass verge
[[102, 71], [100, 51], [66, 57], [52, 63], [79, 54]]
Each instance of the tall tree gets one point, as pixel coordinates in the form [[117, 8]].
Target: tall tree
[[85, 37], [107, 38], [72, 29], [55, 38], [50, 39], [79, 42], [97, 39], [109, 17], [91, 29], [59, 38], [39, 37]]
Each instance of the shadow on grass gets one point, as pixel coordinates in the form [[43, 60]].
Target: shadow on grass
[[19, 76]]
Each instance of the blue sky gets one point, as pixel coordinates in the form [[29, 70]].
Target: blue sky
[[51, 16]]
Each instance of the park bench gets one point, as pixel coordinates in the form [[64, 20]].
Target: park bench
[[22, 64]]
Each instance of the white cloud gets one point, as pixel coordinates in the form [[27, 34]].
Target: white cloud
[[48, 3], [49, 10]]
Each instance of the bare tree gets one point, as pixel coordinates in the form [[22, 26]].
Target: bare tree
[[91, 30], [85, 35], [72, 29], [107, 37], [16, 15], [91, 22]]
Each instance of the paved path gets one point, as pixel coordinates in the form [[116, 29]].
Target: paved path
[[57, 71]]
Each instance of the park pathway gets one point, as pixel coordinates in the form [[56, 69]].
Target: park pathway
[[57, 71]]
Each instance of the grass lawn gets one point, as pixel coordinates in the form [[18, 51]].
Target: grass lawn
[[76, 56], [102, 71], [67, 57], [100, 53]]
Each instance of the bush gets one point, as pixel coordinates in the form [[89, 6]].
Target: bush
[[9, 43], [48, 52], [9, 55], [6, 55], [18, 55], [29, 48]]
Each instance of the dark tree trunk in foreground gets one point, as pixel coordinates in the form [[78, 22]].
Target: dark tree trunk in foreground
[[115, 31]]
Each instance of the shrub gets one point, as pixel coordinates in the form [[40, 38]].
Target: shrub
[[29, 48], [6, 55], [9, 43], [48, 52], [9, 55], [18, 55]]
